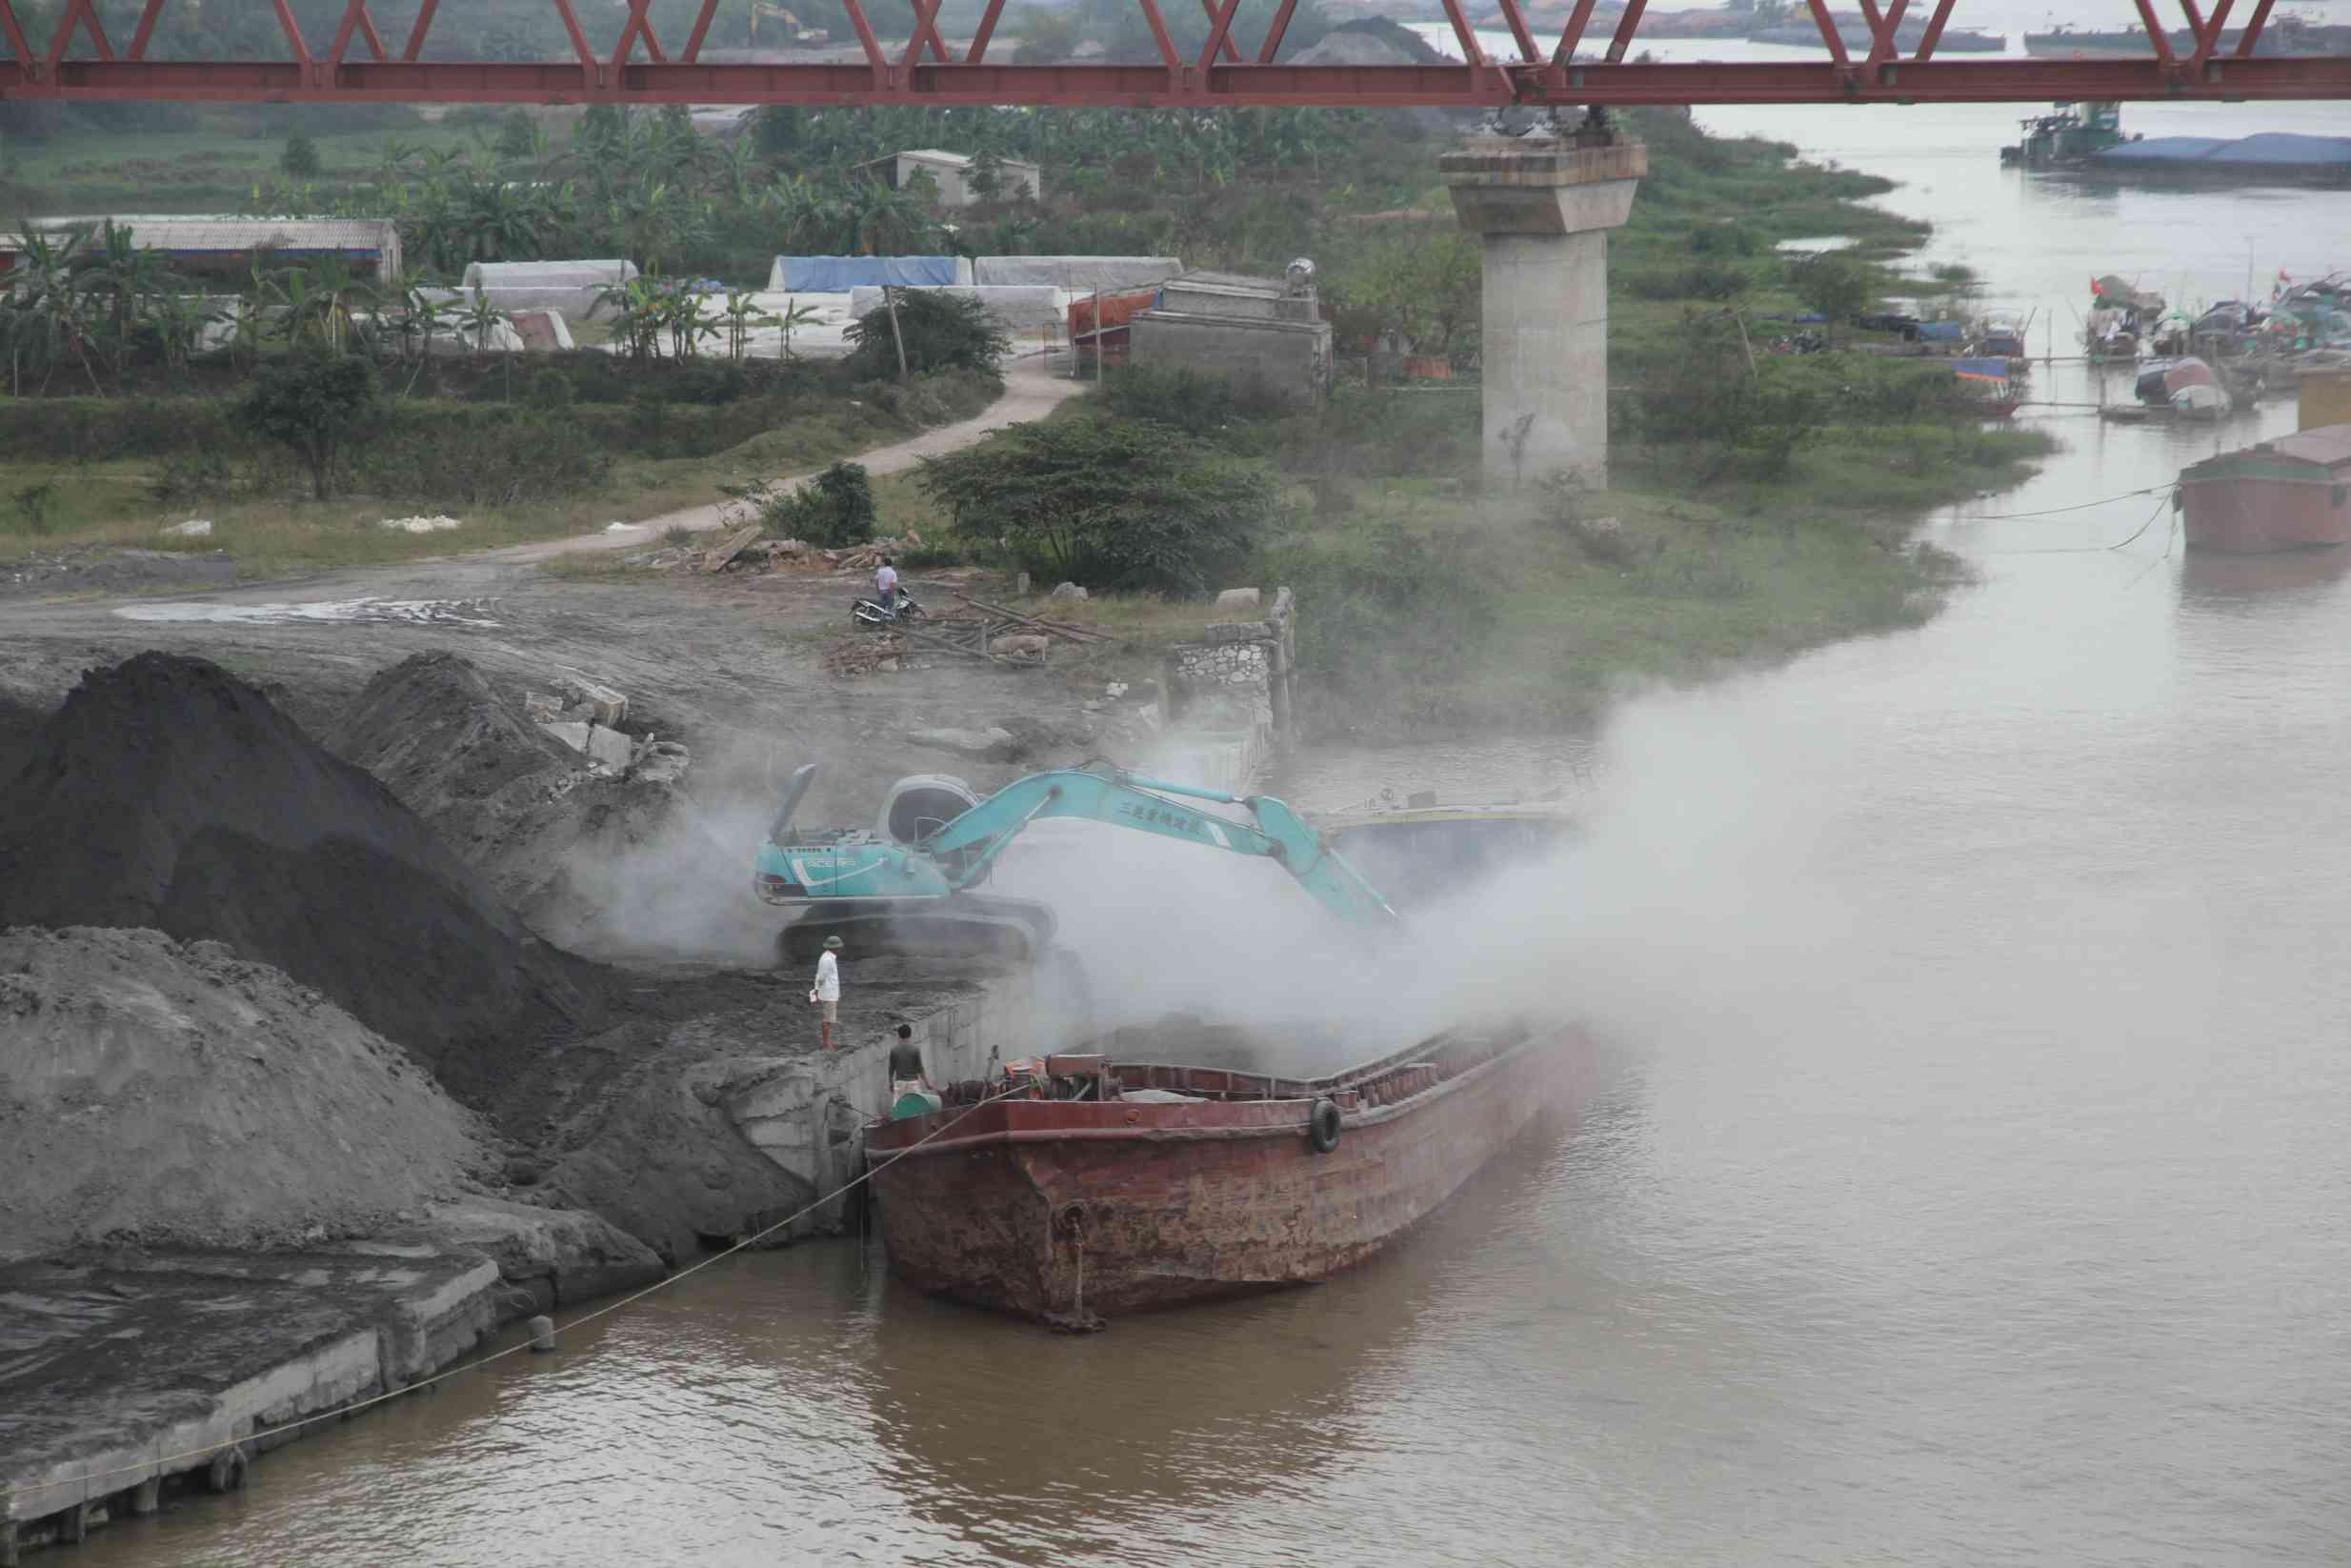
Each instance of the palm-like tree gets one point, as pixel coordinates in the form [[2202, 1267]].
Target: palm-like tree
[[743, 314], [793, 315], [122, 283], [480, 321]]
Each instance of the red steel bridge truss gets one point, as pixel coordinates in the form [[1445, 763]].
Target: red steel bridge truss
[[1583, 66]]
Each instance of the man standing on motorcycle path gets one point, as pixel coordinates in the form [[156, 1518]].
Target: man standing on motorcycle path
[[886, 587]]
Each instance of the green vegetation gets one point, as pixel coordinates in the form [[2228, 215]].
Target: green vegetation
[[921, 331], [313, 404], [118, 469], [1124, 505], [833, 510]]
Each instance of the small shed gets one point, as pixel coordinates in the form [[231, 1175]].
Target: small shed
[[951, 172], [227, 247], [1266, 330]]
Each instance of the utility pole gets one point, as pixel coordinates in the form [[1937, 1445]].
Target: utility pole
[[889, 297]]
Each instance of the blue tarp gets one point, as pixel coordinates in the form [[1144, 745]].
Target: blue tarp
[[2269, 149], [839, 274], [1940, 332], [1997, 369]]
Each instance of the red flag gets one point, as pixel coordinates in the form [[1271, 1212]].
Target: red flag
[[2095, 290]]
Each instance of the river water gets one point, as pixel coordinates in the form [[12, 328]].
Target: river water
[[1969, 1186]]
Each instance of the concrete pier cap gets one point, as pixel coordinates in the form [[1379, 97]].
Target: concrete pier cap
[[1543, 207]]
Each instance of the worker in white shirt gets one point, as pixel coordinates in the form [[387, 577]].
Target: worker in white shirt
[[886, 587], [827, 993]]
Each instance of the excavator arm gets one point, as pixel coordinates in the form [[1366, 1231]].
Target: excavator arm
[[965, 848]]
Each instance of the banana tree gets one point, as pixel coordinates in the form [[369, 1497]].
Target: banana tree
[[480, 321], [793, 315], [640, 306], [690, 321], [743, 314]]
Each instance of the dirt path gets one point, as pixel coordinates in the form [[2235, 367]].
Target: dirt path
[[1032, 390], [731, 664]]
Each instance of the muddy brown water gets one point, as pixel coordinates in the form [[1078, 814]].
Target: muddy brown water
[[1970, 1189]]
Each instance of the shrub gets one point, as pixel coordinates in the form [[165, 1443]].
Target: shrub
[[487, 457], [1115, 505], [833, 510], [315, 404], [1204, 406], [300, 160], [32, 503], [942, 331], [1394, 617], [550, 388]]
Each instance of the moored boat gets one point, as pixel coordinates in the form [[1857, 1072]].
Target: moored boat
[[1078, 1186], [2289, 493]]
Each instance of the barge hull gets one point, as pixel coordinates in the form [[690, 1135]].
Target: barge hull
[[1158, 1205]]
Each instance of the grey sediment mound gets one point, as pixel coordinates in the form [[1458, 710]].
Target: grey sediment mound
[[168, 793], [170, 1094], [513, 803]]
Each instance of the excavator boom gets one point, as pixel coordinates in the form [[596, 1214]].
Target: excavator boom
[[920, 893], [972, 842]]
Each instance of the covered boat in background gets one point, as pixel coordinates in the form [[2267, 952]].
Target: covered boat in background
[[2290, 493], [1077, 1185], [1990, 385], [2185, 386]]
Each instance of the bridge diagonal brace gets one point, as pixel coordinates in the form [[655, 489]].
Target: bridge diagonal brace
[[1520, 33], [1274, 35], [868, 42], [292, 30], [1464, 35], [1219, 32], [416, 33], [76, 14], [1627, 26], [2208, 35], [18, 45], [148, 16], [1934, 32], [1572, 36], [2155, 32], [1232, 53], [355, 19], [1161, 37], [926, 31], [579, 43], [1830, 33], [978, 50], [2252, 34], [701, 31], [637, 25]]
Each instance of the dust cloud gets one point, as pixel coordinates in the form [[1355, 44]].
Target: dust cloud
[[682, 890], [1691, 894]]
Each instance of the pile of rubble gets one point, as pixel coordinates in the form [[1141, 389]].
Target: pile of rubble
[[978, 630], [588, 717]]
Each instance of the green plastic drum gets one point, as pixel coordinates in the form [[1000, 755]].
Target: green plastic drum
[[914, 1102]]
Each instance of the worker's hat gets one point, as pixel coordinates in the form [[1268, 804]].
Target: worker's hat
[[833, 944]]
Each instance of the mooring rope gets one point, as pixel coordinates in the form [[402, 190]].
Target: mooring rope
[[2056, 511], [14, 1490]]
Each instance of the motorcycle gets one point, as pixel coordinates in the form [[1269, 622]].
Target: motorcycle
[[867, 610]]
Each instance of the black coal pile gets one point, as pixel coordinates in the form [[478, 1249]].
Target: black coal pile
[[168, 793]]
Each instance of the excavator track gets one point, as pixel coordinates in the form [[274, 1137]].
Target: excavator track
[[965, 925]]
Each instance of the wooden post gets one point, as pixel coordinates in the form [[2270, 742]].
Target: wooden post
[[889, 297]]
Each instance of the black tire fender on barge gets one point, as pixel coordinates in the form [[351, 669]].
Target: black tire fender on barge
[[1323, 1126]]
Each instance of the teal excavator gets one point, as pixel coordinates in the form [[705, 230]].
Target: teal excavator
[[906, 884]]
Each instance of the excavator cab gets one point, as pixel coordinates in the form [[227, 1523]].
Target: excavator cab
[[879, 892]]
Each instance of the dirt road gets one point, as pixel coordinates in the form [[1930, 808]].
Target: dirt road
[[1032, 390], [729, 664]]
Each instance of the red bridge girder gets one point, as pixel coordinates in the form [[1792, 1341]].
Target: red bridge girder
[[923, 70]]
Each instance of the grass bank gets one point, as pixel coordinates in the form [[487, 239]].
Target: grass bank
[[117, 472]]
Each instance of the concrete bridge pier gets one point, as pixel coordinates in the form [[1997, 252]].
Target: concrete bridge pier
[[1544, 206]]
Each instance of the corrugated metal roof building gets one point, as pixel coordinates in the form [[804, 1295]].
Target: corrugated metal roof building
[[223, 245]]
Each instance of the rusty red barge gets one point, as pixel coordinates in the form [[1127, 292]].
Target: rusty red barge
[[1098, 1187]]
